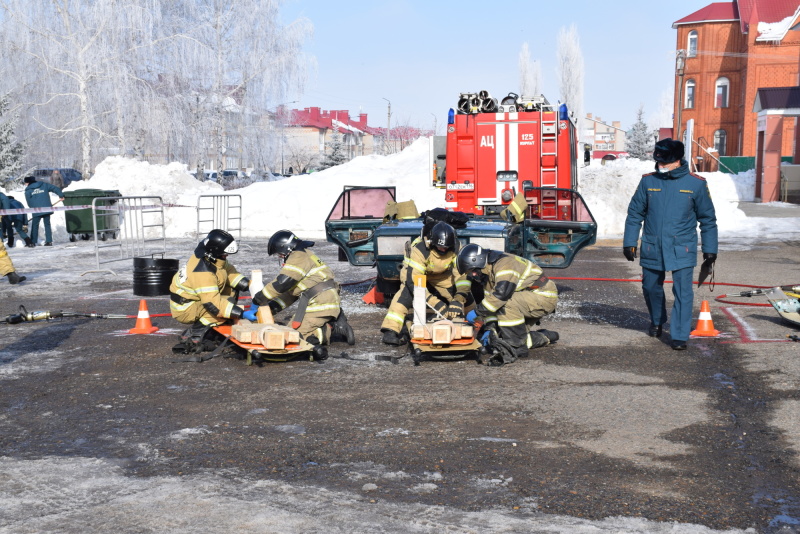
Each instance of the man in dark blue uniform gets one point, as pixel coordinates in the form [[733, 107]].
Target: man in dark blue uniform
[[671, 202]]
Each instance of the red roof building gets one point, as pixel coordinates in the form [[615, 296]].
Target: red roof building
[[726, 52]]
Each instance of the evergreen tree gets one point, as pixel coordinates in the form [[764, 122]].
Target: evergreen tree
[[11, 151], [640, 142], [338, 153]]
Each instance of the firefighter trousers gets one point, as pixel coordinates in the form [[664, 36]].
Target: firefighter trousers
[[520, 314], [6, 266]]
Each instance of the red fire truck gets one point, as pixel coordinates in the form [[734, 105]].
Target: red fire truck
[[495, 151]]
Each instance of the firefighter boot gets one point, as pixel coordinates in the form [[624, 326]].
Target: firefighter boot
[[538, 339], [390, 337], [14, 278], [342, 331], [551, 335]]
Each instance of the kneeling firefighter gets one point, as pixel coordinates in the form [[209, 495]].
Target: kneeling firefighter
[[204, 292], [433, 255], [516, 295], [305, 278]]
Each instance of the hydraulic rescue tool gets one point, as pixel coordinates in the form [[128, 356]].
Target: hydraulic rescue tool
[[28, 317]]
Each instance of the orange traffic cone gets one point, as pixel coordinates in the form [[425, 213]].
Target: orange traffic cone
[[705, 327], [373, 296], [143, 324]]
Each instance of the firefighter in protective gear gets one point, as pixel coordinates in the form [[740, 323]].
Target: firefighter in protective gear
[[307, 280], [433, 256], [6, 267], [204, 292], [517, 294]]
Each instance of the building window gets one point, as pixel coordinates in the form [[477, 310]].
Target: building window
[[691, 46], [689, 104], [721, 100], [721, 142]]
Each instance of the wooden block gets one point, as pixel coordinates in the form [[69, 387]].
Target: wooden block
[[466, 331], [273, 339], [293, 336], [419, 331], [442, 333], [264, 315]]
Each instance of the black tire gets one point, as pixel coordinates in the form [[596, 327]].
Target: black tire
[[103, 237], [72, 238]]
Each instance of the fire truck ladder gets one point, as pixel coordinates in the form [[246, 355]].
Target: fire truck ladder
[[548, 161]]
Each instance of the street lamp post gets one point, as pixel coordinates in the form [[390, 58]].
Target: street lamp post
[[282, 117], [680, 63], [388, 124]]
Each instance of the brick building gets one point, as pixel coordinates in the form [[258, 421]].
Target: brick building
[[726, 52]]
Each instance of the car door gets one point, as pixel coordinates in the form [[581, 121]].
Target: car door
[[353, 219]]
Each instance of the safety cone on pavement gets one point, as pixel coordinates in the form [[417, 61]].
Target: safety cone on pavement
[[143, 324], [373, 296], [705, 327]]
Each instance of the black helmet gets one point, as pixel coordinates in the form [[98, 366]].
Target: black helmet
[[219, 243], [472, 257], [668, 151], [282, 242], [443, 235]]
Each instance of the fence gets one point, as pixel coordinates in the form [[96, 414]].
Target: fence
[[222, 211], [137, 222]]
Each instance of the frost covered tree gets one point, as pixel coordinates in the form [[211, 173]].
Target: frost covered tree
[[570, 71], [11, 151], [159, 79], [530, 73], [640, 141]]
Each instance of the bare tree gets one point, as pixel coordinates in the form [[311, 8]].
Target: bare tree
[[570, 71], [530, 73]]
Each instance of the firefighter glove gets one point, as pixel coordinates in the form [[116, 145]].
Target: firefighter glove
[[250, 314], [454, 310], [260, 299], [243, 285], [472, 316], [629, 252], [709, 257]]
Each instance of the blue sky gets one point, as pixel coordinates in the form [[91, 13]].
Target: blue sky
[[420, 54]]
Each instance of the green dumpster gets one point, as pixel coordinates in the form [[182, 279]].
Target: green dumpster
[[80, 221]]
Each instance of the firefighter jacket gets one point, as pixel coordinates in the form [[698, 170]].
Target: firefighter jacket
[[436, 267], [6, 266], [205, 282], [302, 271], [510, 275], [37, 195], [671, 205]]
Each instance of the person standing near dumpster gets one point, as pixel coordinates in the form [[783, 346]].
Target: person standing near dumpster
[[37, 194], [671, 202]]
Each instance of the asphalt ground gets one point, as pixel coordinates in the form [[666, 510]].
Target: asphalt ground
[[606, 422]]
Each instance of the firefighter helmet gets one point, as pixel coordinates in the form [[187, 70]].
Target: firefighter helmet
[[443, 235], [472, 257], [219, 243], [282, 242]]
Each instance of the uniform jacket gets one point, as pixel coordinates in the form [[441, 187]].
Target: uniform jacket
[[14, 204], [508, 275], [37, 195], [671, 205], [421, 260], [303, 270], [202, 280]]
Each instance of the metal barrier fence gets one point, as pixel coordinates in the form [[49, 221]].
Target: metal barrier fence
[[222, 211], [137, 223]]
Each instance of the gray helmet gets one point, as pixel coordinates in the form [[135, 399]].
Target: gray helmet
[[472, 257], [443, 235]]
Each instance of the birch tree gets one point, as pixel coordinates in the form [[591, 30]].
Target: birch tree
[[530, 73], [11, 150], [570, 71]]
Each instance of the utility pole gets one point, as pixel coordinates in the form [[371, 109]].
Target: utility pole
[[680, 64], [388, 125]]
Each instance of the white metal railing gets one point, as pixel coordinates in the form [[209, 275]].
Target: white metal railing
[[219, 211], [136, 225]]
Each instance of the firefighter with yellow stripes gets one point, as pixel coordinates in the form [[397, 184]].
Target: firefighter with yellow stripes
[[448, 290], [516, 295], [307, 280], [204, 292]]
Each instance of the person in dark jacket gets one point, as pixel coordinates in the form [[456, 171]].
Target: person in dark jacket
[[37, 194], [671, 202], [12, 222]]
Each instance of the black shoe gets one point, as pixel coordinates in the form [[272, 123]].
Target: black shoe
[[654, 330], [549, 334], [342, 330], [390, 337], [320, 353], [28, 242], [677, 344], [14, 278], [48, 244]]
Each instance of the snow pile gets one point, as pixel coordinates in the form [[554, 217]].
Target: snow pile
[[302, 203]]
